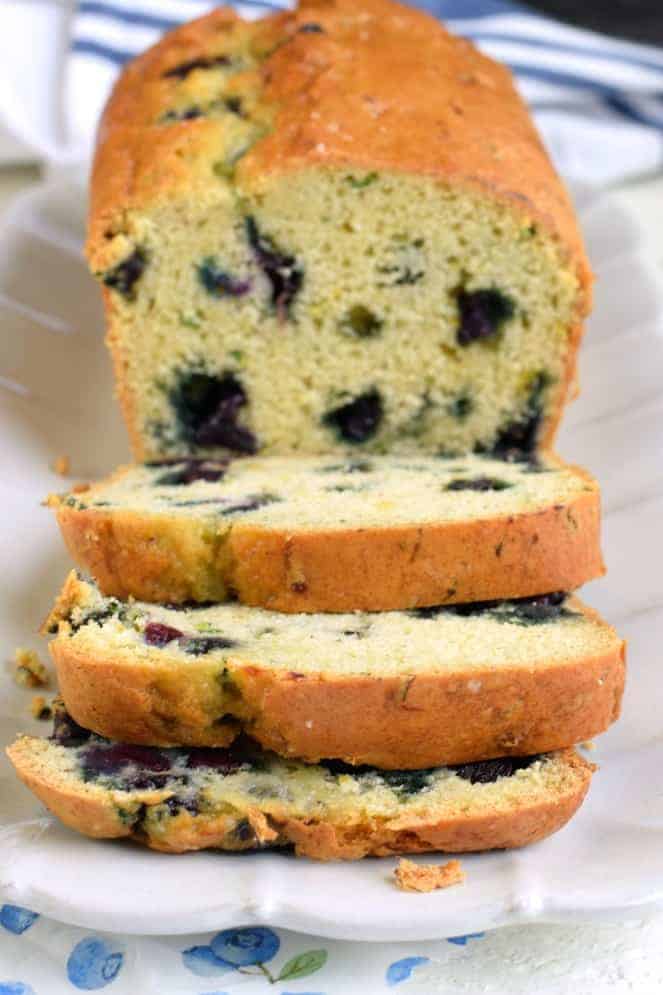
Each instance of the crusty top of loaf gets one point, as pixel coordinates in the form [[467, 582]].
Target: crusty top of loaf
[[380, 87]]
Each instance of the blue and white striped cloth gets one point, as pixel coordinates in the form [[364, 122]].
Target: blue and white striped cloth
[[598, 101]]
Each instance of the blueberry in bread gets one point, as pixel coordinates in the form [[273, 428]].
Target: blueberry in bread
[[320, 534], [392, 689], [348, 239], [243, 798]]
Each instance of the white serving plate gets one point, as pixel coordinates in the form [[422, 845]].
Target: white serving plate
[[55, 398]]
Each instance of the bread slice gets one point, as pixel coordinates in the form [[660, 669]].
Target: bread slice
[[315, 534], [396, 690], [328, 230], [243, 798]]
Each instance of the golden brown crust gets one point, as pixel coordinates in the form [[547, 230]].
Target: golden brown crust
[[154, 558], [374, 62], [369, 69], [162, 558], [557, 548], [94, 812], [428, 877], [400, 721]]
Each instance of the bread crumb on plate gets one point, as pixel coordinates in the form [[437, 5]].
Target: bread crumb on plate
[[62, 465], [428, 877], [29, 671], [40, 708]]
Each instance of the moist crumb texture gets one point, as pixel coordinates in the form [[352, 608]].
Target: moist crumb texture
[[396, 689], [243, 798], [322, 493], [347, 240]]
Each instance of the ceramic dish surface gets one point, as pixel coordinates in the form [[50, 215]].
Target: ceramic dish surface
[[56, 399]]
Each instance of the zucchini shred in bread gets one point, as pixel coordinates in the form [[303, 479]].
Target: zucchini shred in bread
[[243, 798], [311, 534], [332, 229], [393, 689]]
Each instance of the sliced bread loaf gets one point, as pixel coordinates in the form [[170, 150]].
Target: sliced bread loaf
[[330, 229], [243, 798], [396, 689], [314, 534]]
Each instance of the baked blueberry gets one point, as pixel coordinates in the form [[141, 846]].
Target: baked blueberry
[[178, 804], [207, 408], [482, 313], [461, 407], [224, 761], [124, 276], [182, 69], [67, 732], [282, 270], [218, 282], [234, 105], [488, 771], [477, 484], [201, 645], [358, 420], [428, 611], [252, 503], [158, 634], [534, 611], [244, 832], [519, 611], [516, 442], [191, 471], [110, 609], [183, 114], [107, 758], [406, 782]]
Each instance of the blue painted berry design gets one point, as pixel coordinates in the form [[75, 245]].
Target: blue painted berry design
[[16, 919], [461, 941], [93, 964], [202, 960], [241, 947], [401, 970]]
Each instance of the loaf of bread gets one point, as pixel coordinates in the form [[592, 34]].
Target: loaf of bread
[[242, 798], [392, 689], [314, 534], [333, 229]]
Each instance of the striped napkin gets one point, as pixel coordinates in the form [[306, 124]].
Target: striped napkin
[[597, 101]]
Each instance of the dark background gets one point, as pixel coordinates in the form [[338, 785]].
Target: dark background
[[639, 20]]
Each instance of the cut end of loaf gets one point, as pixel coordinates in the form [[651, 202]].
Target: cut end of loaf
[[400, 273], [385, 312]]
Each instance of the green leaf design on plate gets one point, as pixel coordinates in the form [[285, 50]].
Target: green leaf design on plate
[[303, 964]]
